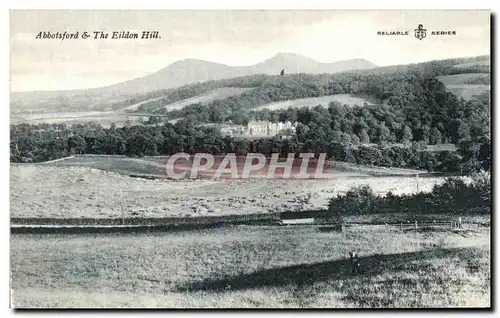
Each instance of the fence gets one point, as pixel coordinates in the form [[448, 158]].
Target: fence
[[452, 225], [441, 224]]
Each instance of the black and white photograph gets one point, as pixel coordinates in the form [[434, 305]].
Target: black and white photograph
[[256, 159]]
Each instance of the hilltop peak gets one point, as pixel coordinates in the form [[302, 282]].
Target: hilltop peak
[[193, 62], [290, 56]]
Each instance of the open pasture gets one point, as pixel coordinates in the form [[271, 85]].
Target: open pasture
[[105, 119], [483, 62], [468, 91], [216, 94], [101, 187], [467, 85], [205, 98], [344, 99], [246, 266], [466, 78]]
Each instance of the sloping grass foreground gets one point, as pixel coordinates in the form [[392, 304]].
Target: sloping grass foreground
[[252, 267]]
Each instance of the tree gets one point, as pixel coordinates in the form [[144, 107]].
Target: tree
[[291, 115], [449, 162], [463, 131], [335, 212], [435, 136], [239, 118], [114, 144], [369, 155], [137, 144], [424, 133], [76, 144], [458, 130], [469, 150], [418, 146], [484, 155], [384, 134], [427, 161], [301, 131], [407, 135], [337, 151], [363, 137], [357, 200]]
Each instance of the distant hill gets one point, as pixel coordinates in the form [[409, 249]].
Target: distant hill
[[294, 63], [191, 71], [186, 79], [177, 74]]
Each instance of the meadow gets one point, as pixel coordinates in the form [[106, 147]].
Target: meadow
[[344, 99], [105, 119], [246, 266], [101, 186], [475, 63], [466, 78], [468, 91], [467, 85], [216, 94], [119, 164]]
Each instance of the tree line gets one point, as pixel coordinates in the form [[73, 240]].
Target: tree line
[[36, 143], [454, 196]]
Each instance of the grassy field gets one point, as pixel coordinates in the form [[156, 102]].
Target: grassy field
[[467, 85], [441, 147], [346, 99], [295, 266], [119, 164], [208, 97], [156, 166], [105, 119], [468, 91], [467, 78], [485, 62], [100, 186], [218, 93]]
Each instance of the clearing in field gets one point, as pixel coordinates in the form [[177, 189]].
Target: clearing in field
[[218, 93], [248, 266], [344, 99], [441, 147], [430, 148], [467, 78], [468, 91]]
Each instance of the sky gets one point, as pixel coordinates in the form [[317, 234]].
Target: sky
[[228, 37]]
